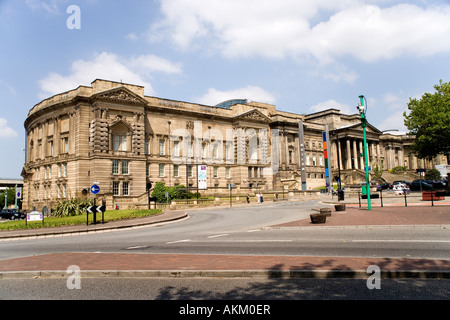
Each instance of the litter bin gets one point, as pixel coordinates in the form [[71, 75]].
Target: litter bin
[[340, 195]]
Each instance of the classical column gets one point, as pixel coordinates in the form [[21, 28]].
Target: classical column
[[361, 159], [378, 155], [348, 164], [340, 154], [355, 154]]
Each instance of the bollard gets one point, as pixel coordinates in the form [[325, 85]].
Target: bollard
[[404, 192]]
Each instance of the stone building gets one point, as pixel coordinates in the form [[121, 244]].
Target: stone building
[[113, 135]]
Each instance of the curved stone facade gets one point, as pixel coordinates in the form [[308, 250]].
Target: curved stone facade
[[111, 134]]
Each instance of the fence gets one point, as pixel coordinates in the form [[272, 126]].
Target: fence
[[406, 196]]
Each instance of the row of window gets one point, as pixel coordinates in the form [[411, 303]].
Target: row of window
[[190, 152], [46, 171], [61, 192], [190, 171]]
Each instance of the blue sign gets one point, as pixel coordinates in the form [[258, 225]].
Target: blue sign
[[95, 189]]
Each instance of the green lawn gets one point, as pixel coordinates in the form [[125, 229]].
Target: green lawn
[[110, 215]]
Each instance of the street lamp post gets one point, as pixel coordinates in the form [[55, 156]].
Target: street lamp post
[[362, 108]]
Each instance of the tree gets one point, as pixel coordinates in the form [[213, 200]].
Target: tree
[[429, 121], [10, 197], [176, 192], [433, 174]]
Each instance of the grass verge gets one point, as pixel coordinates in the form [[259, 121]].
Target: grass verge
[[51, 222]]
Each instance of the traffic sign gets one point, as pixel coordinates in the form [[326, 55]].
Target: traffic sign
[[95, 189], [93, 209]]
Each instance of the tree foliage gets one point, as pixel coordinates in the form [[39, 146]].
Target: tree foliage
[[433, 174], [429, 121], [176, 192]]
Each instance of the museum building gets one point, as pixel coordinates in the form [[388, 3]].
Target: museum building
[[112, 135]]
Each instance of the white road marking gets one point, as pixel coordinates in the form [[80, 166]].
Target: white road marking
[[136, 247], [185, 240], [398, 240], [218, 235]]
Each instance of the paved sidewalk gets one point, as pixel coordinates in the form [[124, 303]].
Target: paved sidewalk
[[191, 265]]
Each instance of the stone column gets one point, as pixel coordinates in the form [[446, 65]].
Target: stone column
[[361, 159], [378, 155], [355, 154], [348, 164]]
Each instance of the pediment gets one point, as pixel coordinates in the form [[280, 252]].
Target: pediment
[[253, 115], [120, 94], [120, 125], [357, 126]]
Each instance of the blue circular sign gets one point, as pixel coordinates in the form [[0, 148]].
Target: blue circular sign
[[95, 189]]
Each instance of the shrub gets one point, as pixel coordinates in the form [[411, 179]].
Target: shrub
[[176, 192], [71, 207], [433, 174], [398, 169]]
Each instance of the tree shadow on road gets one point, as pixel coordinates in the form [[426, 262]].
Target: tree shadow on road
[[341, 284]]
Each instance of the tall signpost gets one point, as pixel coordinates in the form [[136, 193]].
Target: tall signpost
[[362, 108]]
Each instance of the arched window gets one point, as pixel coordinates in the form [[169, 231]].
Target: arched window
[[120, 136]]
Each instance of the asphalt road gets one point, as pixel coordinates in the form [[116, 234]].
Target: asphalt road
[[248, 230], [223, 289]]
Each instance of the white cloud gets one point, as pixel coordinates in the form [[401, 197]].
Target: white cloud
[[214, 96], [5, 131], [332, 104], [394, 104], [323, 29], [108, 66], [50, 6]]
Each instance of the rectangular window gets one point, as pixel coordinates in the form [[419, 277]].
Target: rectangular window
[[216, 172], [161, 170], [216, 150], [175, 170], [228, 150], [50, 148], [59, 170], [314, 160], [290, 156], [189, 169], [147, 146], [125, 188], [116, 142], [65, 169], [125, 165], [120, 143], [162, 150], [65, 145], [190, 149], [307, 159], [115, 188], [176, 148], [250, 172], [115, 167], [227, 172], [204, 155], [147, 170]]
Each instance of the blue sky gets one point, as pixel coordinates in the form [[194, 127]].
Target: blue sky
[[301, 55]]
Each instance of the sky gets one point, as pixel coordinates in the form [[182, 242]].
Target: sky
[[301, 55]]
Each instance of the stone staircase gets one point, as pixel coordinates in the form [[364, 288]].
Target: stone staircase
[[391, 177]]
